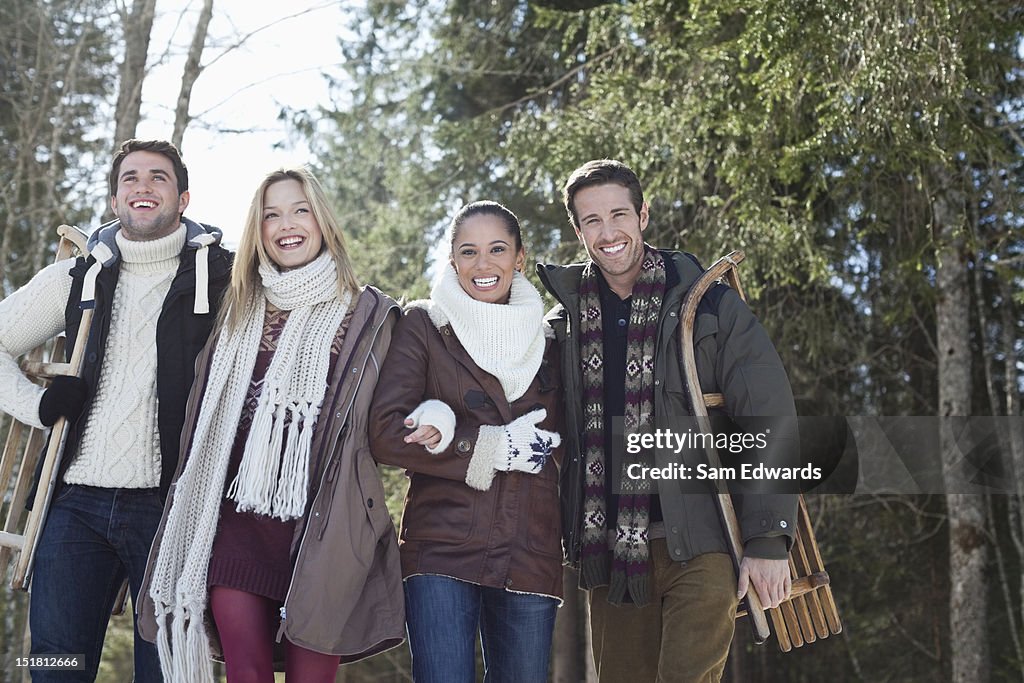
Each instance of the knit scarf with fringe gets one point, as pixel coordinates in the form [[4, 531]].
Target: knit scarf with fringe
[[274, 474], [627, 572], [505, 340]]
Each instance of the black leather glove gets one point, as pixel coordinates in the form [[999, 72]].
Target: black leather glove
[[65, 397]]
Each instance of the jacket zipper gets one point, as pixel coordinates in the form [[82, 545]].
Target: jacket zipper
[[323, 478], [576, 535]]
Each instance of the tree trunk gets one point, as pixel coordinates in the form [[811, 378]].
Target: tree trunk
[[137, 27], [190, 73], [589, 669], [966, 512], [1015, 502], [737, 653]]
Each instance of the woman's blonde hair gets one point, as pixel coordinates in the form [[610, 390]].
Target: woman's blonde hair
[[245, 278]]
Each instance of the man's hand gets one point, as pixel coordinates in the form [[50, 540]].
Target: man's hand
[[65, 397], [770, 579]]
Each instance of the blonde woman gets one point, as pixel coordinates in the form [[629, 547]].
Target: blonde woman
[[277, 525]]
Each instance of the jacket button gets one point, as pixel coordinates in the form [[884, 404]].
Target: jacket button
[[355, 370], [92, 357], [677, 552], [675, 530], [463, 446], [783, 524], [673, 314], [508, 583], [369, 502], [764, 523]]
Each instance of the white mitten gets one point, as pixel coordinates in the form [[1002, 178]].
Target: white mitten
[[438, 415], [520, 445]]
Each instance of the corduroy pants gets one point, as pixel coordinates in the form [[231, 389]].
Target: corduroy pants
[[681, 636]]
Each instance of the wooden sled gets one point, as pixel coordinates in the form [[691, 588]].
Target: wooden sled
[[21, 529], [810, 612]]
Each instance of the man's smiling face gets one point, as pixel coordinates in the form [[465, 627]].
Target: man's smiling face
[[612, 232], [147, 200]]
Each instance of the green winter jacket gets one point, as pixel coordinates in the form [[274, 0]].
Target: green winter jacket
[[734, 358]]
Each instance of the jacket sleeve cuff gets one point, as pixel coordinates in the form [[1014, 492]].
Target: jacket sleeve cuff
[[489, 443], [438, 415], [771, 548]]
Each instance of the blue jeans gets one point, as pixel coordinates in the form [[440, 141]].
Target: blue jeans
[[443, 616], [93, 538]]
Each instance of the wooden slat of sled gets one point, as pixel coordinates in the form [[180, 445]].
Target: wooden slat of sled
[[20, 533], [810, 612]]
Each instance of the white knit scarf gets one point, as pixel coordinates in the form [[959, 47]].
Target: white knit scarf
[[505, 340], [274, 473]]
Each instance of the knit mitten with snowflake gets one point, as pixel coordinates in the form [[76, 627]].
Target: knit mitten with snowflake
[[518, 446]]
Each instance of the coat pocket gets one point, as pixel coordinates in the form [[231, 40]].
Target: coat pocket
[[372, 492], [432, 513], [545, 528]]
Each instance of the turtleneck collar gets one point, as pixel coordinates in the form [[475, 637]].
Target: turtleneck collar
[[151, 256]]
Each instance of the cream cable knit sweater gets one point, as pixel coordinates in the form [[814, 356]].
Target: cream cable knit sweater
[[120, 445], [29, 317], [35, 313]]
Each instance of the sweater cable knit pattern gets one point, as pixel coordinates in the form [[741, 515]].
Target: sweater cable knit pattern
[[120, 445], [29, 317]]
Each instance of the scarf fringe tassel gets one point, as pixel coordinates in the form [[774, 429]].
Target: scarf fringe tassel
[[263, 485], [185, 651], [290, 499]]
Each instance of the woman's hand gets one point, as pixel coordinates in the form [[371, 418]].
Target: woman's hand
[[427, 436], [433, 425]]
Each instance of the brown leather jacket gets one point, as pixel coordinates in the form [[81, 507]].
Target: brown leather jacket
[[345, 596], [507, 536]]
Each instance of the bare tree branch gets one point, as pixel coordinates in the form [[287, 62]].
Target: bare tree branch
[[191, 72], [253, 85], [137, 29], [241, 41]]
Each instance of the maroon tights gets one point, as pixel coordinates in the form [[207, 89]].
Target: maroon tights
[[247, 623]]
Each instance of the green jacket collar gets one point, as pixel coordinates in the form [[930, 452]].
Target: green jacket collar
[[563, 282]]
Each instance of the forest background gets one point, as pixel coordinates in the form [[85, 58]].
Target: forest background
[[866, 154]]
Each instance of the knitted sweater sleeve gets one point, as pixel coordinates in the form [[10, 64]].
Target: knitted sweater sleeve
[[29, 317]]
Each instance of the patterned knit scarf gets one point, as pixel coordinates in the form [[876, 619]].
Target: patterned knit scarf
[[274, 473], [629, 568]]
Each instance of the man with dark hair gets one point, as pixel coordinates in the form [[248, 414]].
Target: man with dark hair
[[155, 280], [662, 586]]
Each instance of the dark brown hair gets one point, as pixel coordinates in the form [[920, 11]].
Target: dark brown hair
[[601, 172], [157, 146], [486, 208]]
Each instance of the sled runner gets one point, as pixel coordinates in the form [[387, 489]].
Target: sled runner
[[41, 364], [810, 612]]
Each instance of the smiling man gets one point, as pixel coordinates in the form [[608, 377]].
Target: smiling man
[[155, 279], [656, 567]]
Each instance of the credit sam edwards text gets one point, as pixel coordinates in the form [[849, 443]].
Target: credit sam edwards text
[[667, 439]]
